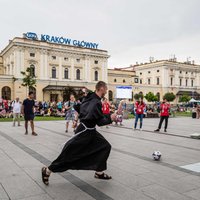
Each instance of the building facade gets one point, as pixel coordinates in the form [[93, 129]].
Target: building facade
[[58, 68], [165, 76], [119, 77]]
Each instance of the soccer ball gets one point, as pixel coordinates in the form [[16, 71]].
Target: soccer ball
[[156, 155]]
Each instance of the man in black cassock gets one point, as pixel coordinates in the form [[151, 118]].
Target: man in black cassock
[[88, 149]]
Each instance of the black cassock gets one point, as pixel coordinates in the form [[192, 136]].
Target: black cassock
[[88, 149]]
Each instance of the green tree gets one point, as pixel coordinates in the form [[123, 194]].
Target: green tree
[[150, 97], [29, 79], [169, 96], [137, 96], [184, 98]]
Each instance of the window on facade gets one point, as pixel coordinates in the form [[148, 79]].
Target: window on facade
[[78, 74], [192, 83], [124, 81], [186, 82], [54, 57], [96, 75], [32, 70], [32, 89], [140, 81], [158, 81], [65, 59], [191, 72], [136, 80], [6, 93], [149, 81], [149, 72], [186, 72], [66, 73], [32, 54], [96, 62], [180, 82], [115, 80], [140, 73], [171, 81], [180, 72], [158, 70], [110, 95], [53, 72], [78, 60]]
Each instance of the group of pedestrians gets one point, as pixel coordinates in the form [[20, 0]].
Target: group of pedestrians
[[164, 114]]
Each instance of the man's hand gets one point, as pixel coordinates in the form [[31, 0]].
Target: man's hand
[[113, 116]]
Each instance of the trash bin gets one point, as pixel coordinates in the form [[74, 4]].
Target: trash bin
[[194, 115]]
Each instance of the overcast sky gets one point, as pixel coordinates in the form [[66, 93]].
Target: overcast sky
[[131, 30]]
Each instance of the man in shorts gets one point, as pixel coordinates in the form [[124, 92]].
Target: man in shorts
[[28, 112]]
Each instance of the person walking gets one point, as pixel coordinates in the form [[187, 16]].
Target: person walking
[[28, 112], [139, 112], [164, 115], [70, 112], [16, 106], [87, 149]]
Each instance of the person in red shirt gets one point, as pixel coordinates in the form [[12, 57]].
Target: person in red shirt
[[164, 115], [139, 111], [106, 108]]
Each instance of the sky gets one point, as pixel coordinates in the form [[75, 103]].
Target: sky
[[130, 30]]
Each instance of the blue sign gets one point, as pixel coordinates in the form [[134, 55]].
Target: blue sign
[[61, 40]]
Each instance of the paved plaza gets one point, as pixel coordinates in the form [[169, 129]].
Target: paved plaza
[[135, 175]]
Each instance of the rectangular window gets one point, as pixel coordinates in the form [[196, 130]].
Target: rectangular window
[[158, 81], [32, 54], [171, 81], [66, 59], [158, 70], [140, 81], [149, 72], [192, 83], [54, 57], [136, 80], [180, 82], [180, 72], [186, 82], [78, 60], [96, 62], [140, 73], [149, 81]]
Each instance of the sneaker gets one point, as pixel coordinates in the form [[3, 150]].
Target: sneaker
[[165, 130], [26, 133], [157, 130]]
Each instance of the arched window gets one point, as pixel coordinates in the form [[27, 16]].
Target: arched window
[[158, 95], [6, 93], [96, 75], [115, 80], [78, 74], [32, 70], [32, 89], [124, 81], [66, 73], [110, 95], [53, 72]]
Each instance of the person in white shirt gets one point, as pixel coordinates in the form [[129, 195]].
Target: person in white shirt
[[16, 105]]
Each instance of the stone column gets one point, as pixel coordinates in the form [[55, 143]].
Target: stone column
[[60, 69], [72, 69]]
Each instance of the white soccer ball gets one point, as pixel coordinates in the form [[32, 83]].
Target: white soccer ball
[[156, 155]]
